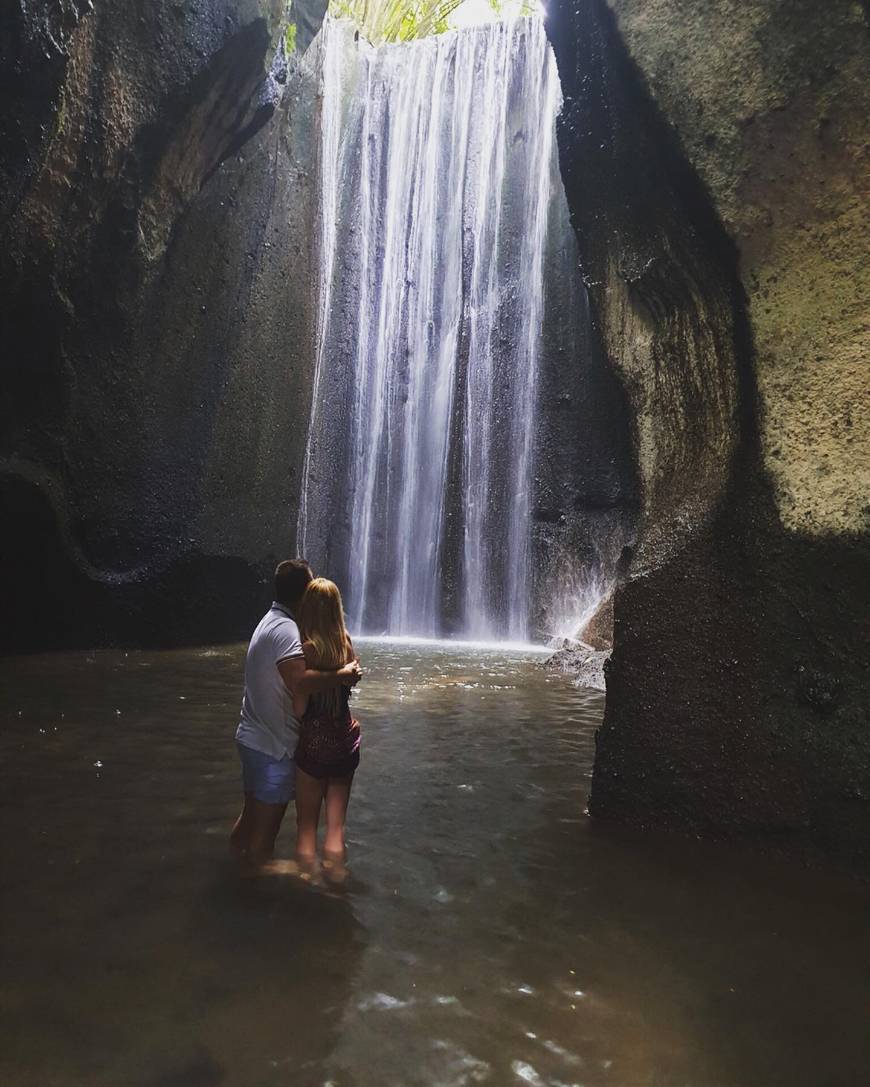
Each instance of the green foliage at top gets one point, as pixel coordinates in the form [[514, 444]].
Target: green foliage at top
[[290, 38], [405, 20], [395, 20]]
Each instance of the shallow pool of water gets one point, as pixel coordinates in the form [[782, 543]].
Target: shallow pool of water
[[490, 932]]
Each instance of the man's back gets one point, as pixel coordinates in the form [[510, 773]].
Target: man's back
[[267, 722]]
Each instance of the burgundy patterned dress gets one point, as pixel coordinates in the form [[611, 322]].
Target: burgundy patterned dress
[[329, 737]]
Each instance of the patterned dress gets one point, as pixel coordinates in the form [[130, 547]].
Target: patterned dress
[[329, 737]]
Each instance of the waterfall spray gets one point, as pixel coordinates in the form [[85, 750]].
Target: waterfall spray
[[436, 182]]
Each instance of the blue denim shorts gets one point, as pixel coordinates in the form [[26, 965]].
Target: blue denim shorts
[[272, 781]]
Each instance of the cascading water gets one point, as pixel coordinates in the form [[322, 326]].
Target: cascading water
[[437, 174]]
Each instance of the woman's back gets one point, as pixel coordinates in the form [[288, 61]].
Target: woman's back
[[322, 705], [329, 736]]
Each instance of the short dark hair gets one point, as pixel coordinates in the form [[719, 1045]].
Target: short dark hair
[[291, 580]]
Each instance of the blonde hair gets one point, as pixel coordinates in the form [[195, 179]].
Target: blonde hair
[[321, 619]]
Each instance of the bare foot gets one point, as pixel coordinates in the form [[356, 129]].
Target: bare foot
[[334, 868], [306, 862]]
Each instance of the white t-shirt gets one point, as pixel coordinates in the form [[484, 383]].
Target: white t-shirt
[[268, 724]]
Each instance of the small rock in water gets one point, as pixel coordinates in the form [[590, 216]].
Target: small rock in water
[[581, 661], [381, 1002], [524, 1071]]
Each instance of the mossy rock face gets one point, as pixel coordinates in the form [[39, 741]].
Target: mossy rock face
[[770, 101], [737, 689]]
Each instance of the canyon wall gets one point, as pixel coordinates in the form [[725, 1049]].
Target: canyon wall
[[155, 319], [712, 157], [156, 329]]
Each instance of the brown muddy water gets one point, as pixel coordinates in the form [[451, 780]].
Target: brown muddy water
[[490, 932]]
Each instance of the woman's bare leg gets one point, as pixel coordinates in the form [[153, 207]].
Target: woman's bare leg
[[337, 797], [309, 797]]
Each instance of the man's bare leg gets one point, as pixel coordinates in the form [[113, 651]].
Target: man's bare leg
[[265, 822], [240, 835]]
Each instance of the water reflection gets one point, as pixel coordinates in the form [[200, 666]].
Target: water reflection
[[489, 932]]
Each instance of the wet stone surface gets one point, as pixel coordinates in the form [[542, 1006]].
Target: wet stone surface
[[490, 932]]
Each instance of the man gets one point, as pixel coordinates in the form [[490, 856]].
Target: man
[[275, 670]]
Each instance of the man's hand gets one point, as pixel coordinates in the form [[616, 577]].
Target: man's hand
[[351, 674], [300, 680]]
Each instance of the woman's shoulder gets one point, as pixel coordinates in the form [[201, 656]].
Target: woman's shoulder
[[309, 651]]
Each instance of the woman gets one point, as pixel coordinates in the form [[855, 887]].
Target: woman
[[329, 738]]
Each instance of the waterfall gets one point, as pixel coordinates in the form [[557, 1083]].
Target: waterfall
[[436, 177]]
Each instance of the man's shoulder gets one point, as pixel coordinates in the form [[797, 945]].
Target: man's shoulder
[[281, 631], [275, 624], [285, 623]]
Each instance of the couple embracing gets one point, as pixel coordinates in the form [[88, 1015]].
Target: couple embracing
[[297, 736]]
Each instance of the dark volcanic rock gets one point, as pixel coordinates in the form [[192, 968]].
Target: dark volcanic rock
[[155, 322], [737, 690]]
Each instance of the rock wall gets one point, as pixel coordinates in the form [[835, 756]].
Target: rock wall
[[156, 324], [711, 156], [770, 102]]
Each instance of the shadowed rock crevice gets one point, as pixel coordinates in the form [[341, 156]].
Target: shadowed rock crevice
[[661, 276]]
